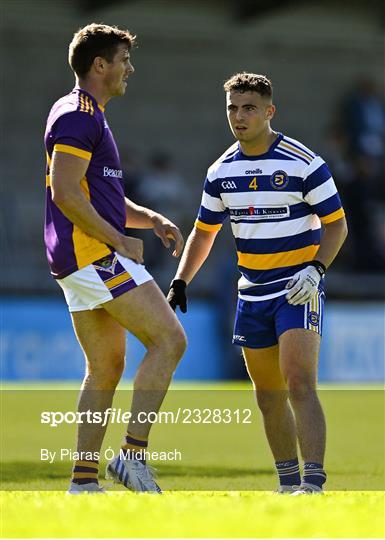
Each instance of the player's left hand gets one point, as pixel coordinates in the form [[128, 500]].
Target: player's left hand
[[303, 286], [165, 229], [177, 295]]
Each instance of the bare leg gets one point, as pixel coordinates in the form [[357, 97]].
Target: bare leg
[[145, 313], [101, 334], [299, 351], [103, 342], [272, 398]]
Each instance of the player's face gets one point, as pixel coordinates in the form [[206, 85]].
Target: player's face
[[248, 114], [118, 71]]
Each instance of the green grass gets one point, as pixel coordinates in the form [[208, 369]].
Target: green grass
[[221, 487], [191, 514]]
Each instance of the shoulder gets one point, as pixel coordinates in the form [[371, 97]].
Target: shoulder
[[313, 168], [296, 150], [75, 107], [74, 101], [227, 157]]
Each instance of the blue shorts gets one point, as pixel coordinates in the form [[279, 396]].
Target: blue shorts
[[259, 324]]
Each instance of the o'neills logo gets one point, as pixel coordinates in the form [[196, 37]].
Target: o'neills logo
[[254, 171], [114, 173]]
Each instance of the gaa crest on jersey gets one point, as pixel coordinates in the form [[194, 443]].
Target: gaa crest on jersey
[[279, 180], [313, 318]]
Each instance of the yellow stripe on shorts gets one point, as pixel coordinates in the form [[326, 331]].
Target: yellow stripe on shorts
[[117, 280]]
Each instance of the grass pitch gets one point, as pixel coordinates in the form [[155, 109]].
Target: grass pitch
[[221, 488], [192, 514]]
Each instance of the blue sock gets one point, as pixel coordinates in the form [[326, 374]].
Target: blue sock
[[288, 472], [313, 473]]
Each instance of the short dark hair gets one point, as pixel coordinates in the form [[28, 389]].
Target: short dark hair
[[249, 82], [96, 40]]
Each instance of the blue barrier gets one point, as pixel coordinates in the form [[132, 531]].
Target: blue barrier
[[353, 344], [37, 343]]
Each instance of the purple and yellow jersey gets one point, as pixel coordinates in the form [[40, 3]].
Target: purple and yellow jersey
[[76, 125], [276, 203]]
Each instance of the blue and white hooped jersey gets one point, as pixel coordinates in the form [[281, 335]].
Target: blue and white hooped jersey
[[276, 203]]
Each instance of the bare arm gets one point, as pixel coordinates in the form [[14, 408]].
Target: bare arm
[[333, 237], [305, 282], [67, 173], [139, 217], [198, 247]]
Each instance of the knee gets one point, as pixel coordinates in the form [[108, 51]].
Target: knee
[[180, 343], [172, 344], [169, 345], [271, 401], [108, 373], [175, 342], [301, 386]]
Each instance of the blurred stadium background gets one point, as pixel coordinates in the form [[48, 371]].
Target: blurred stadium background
[[326, 61]]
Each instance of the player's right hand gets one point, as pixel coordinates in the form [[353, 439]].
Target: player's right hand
[[303, 286], [130, 247], [177, 295]]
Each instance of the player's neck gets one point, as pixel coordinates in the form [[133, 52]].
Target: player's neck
[[259, 145], [92, 88]]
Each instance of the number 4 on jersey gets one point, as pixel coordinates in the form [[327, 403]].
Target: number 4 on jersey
[[253, 184]]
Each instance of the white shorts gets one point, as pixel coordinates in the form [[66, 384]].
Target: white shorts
[[102, 281]]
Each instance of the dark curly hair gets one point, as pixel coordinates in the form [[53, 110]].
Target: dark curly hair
[[96, 40], [249, 82]]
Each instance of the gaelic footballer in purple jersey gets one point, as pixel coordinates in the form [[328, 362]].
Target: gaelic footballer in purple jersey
[[76, 125]]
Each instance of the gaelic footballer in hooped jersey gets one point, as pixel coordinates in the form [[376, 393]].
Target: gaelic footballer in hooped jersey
[[275, 216], [77, 125]]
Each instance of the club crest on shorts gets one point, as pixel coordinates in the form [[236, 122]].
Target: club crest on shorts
[[106, 264], [313, 318], [279, 180]]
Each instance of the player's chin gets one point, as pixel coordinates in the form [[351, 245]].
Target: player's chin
[[240, 136], [121, 90]]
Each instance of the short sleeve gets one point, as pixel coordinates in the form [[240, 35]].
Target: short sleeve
[[212, 211], [76, 133], [320, 192]]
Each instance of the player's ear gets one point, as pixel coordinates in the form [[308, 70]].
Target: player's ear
[[99, 64], [270, 111]]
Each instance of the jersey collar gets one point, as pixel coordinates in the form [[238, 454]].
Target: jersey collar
[[77, 88], [272, 147]]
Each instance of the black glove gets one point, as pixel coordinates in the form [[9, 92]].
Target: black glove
[[177, 295]]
